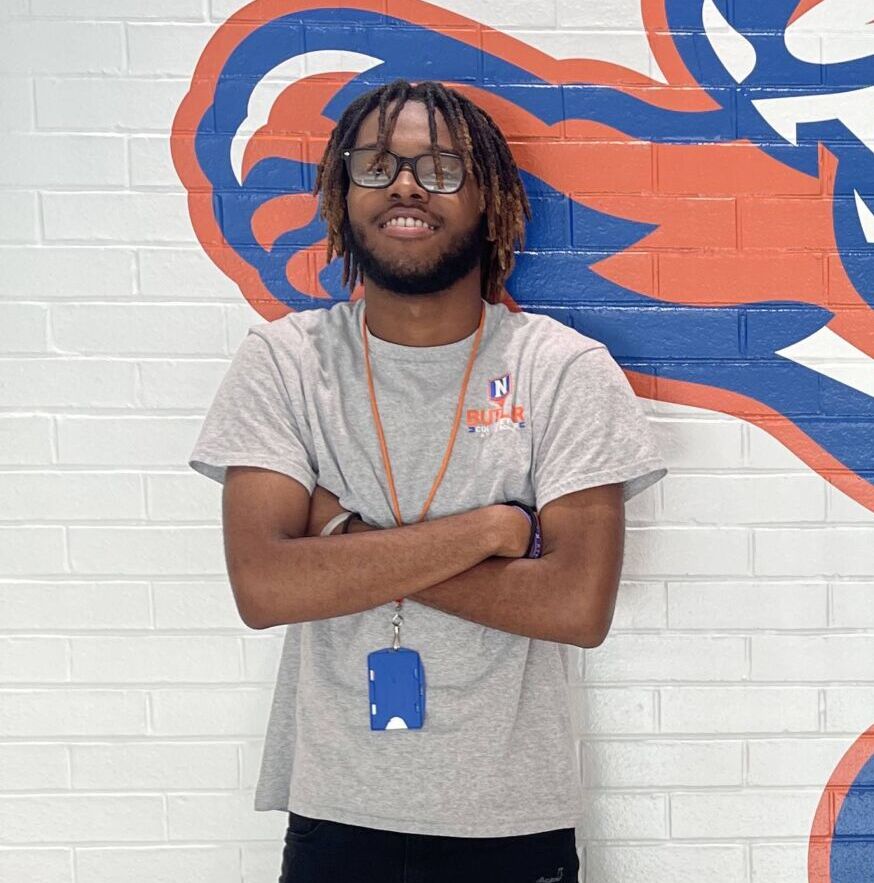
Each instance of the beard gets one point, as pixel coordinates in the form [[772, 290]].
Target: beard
[[425, 275]]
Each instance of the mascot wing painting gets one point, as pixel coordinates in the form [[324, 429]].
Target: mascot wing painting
[[713, 227]]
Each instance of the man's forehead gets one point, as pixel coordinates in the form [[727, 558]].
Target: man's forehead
[[411, 129]]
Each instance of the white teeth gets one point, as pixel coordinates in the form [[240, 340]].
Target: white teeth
[[407, 222]]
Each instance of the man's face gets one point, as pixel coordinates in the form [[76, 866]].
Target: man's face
[[414, 264]]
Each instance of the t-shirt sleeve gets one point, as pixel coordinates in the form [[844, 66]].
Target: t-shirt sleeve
[[595, 432], [256, 418]]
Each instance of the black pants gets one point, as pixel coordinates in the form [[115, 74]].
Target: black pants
[[324, 851]]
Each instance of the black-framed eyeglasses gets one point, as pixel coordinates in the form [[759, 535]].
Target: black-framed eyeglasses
[[366, 172]]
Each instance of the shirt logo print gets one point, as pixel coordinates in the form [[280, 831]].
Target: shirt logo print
[[498, 416], [499, 388]]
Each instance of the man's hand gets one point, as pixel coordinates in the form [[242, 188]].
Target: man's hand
[[516, 532]]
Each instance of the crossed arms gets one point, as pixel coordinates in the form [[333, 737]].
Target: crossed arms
[[466, 564]]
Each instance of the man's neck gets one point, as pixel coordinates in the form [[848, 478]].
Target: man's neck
[[423, 319]]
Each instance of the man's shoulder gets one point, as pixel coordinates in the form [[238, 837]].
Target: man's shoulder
[[548, 339], [299, 326]]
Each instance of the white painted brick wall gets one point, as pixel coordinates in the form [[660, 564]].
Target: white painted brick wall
[[133, 701]]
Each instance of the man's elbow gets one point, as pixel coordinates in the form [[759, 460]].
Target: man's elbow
[[262, 593], [587, 637], [255, 624], [592, 639], [593, 625], [251, 616], [259, 611], [251, 605]]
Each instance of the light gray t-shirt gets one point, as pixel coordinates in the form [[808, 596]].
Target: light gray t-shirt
[[548, 411]]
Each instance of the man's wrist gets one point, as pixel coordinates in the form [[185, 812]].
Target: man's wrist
[[534, 541], [357, 524], [509, 531]]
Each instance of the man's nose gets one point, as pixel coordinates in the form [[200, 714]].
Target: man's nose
[[406, 180]]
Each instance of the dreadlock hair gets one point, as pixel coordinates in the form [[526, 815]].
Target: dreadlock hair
[[486, 156]]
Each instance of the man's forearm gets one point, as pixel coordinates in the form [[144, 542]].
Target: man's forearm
[[525, 596], [307, 578], [533, 597]]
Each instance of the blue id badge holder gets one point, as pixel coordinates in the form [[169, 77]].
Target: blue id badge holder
[[396, 682]]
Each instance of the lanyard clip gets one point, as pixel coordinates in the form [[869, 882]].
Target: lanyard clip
[[396, 621]]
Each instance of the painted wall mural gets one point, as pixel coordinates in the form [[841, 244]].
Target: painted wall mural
[[710, 218]]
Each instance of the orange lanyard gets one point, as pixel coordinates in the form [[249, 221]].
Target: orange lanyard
[[382, 445]]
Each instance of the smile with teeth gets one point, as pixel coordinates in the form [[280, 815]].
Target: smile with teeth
[[405, 222]]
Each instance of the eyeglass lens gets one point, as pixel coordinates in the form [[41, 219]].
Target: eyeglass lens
[[366, 174]]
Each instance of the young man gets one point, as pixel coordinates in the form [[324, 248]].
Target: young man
[[428, 740]]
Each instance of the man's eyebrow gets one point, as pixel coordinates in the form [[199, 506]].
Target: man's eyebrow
[[439, 147]]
